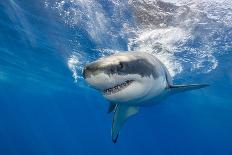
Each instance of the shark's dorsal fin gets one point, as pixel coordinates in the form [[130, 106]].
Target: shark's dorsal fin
[[111, 107], [121, 114]]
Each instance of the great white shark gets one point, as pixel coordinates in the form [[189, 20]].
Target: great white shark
[[130, 81]]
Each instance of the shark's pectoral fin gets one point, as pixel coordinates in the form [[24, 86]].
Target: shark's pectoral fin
[[121, 114], [182, 88], [111, 107]]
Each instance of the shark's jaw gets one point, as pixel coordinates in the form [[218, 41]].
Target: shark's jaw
[[111, 85], [121, 89], [117, 88]]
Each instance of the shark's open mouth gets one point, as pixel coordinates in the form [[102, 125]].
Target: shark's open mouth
[[117, 88]]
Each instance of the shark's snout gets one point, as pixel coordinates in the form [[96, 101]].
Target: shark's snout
[[86, 72], [90, 69]]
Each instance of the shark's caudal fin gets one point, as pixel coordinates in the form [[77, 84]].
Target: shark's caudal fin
[[182, 88], [121, 114]]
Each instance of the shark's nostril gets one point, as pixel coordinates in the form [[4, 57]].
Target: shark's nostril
[[88, 70], [85, 72]]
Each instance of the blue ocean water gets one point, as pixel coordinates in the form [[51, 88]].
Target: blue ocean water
[[47, 108]]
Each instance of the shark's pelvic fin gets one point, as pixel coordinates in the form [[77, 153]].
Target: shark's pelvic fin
[[182, 88], [111, 107], [121, 114]]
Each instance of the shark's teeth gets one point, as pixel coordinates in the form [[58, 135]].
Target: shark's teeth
[[117, 88]]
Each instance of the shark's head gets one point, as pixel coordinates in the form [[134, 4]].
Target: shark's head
[[121, 77]]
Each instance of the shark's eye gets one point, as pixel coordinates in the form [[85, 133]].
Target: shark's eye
[[120, 65]]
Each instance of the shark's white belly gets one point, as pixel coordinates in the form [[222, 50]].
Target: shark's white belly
[[159, 92]]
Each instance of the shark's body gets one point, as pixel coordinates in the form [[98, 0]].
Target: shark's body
[[129, 81]]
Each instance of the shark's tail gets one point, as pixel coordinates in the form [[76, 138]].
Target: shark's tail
[[182, 88]]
